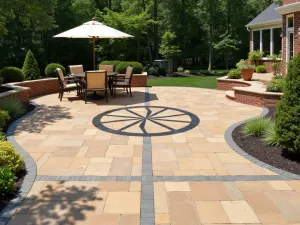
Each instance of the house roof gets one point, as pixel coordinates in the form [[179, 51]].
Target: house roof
[[269, 15]]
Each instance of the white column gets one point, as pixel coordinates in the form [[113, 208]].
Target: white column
[[260, 42], [271, 42]]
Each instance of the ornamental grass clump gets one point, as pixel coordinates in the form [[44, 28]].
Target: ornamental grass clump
[[14, 107], [270, 135], [257, 127], [287, 115]]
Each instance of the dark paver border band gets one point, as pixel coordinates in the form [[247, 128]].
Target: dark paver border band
[[237, 149], [7, 213]]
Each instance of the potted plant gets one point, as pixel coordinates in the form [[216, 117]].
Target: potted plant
[[255, 57], [247, 69]]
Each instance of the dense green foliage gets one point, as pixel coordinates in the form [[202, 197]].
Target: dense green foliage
[[7, 182], [30, 67], [162, 72], [153, 71], [287, 116], [208, 32], [257, 127], [261, 69], [9, 157], [2, 136], [195, 81], [14, 107], [255, 56], [137, 67], [276, 85], [4, 117], [50, 70], [115, 63], [234, 74], [11, 74]]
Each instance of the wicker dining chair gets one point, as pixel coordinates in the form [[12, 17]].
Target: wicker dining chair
[[124, 81], [64, 85], [96, 81]]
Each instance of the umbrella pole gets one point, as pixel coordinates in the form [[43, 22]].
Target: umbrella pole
[[94, 54]]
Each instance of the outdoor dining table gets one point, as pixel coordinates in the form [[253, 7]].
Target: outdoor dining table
[[110, 76]]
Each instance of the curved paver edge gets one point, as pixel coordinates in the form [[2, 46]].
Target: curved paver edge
[[7, 213], [229, 139]]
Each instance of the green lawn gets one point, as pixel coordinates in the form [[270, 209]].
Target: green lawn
[[199, 82]]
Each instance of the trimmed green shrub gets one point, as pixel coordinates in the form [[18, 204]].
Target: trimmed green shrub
[[11, 74], [287, 115], [270, 136], [7, 182], [255, 56], [187, 71], [30, 68], [137, 67], [50, 69], [9, 157], [153, 71], [261, 69], [2, 137], [257, 127], [276, 85], [180, 69], [4, 117], [14, 107], [162, 72], [234, 74], [115, 63]]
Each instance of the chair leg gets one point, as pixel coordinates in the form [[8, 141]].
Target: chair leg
[[85, 96], [130, 92], [115, 92], [127, 89], [61, 95], [106, 96]]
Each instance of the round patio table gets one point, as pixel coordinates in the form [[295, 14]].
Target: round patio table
[[95, 96]]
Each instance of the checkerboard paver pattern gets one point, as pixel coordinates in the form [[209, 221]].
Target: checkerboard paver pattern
[[89, 176]]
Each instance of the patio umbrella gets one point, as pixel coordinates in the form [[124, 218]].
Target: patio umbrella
[[94, 30]]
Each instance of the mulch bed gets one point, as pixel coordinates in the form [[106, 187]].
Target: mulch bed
[[272, 155], [21, 174]]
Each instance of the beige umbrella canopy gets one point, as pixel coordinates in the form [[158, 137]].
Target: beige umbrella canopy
[[94, 30]]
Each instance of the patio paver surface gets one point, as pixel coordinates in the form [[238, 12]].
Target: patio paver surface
[[66, 141]]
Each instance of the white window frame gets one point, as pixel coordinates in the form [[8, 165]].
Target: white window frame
[[288, 31], [261, 41]]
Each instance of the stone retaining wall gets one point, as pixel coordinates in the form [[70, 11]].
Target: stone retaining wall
[[33, 88]]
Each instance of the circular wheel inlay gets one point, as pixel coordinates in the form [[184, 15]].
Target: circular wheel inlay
[[146, 121]]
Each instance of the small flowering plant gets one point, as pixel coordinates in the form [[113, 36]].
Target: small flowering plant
[[245, 65]]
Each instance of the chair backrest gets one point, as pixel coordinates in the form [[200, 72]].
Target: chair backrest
[[76, 69], [96, 79], [108, 68], [128, 75], [61, 78]]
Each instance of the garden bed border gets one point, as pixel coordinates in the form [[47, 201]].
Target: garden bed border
[[31, 169], [229, 139]]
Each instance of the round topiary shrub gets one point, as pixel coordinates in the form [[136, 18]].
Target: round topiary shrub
[[153, 71], [187, 71], [50, 69], [287, 116], [137, 67], [261, 69], [234, 74], [11, 74], [162, 72], [30, 68], [180, 69], [9, 157], [7, 182]]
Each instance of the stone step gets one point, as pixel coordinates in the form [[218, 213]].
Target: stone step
[[230, 95]]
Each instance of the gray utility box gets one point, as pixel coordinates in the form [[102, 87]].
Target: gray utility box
[[166, 64]]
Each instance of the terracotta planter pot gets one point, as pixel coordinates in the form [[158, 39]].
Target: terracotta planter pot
[[247, 74]]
